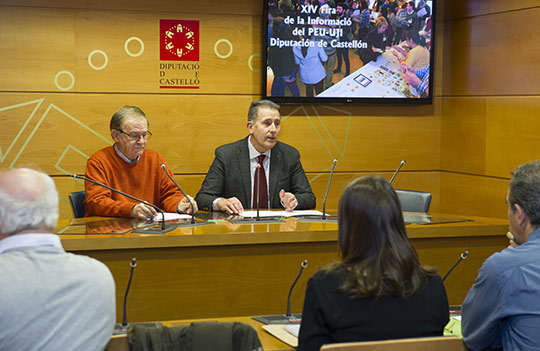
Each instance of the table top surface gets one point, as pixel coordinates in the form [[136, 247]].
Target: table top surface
[[125, 233]]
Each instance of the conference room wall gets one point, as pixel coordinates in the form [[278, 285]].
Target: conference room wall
[[490, 101], [57, 130]]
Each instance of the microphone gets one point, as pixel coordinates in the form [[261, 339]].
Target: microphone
[[182, 191], [256, 202], [124, 194], [258, 218], [287, 318], [132, 264], [328, 187], [463, 256], [123, 328], [302, 266], [397, 170]]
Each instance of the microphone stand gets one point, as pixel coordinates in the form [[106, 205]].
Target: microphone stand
[[133, 264], [123, 328], [193, 222], [163, 229], [396, 172], [302, 266], [258, 217], [463, 256], [287, 318], [324, 217], [328, 187]]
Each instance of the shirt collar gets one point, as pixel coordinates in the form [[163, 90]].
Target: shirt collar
[[253, 153], [31, 239], [124, 157], [534, 235]]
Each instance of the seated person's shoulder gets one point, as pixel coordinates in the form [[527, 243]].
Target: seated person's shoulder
[[288, 149], [334, 275], [230, 148], [102, 153]]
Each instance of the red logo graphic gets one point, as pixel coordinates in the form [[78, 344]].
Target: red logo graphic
[[179, 40]]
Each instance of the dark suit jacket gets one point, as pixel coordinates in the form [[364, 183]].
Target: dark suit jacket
[[229, 176]]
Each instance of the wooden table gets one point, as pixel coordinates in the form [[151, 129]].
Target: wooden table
[[226, 269]]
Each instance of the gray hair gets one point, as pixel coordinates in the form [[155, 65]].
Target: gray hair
[[254, 108], [17, 216], [524, 190], [122, 113]]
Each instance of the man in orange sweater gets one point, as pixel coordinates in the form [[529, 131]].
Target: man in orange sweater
[[129, 167]]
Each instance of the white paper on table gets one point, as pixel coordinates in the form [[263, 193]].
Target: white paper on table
[[297, 213], [294, 329], [169, 216], [249, 214]]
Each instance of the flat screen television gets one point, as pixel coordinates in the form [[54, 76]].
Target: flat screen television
[[374, 51]]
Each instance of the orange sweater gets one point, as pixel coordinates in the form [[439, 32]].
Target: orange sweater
[[144, 180]]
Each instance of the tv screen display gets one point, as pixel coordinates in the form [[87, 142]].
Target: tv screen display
[[366, 51]]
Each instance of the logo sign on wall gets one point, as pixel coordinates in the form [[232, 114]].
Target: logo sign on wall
[[179, 54]]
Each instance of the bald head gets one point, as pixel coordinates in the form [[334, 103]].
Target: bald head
[[28, 202], [22, 184]]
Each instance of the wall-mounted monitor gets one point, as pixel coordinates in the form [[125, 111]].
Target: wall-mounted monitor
[[376, 51]]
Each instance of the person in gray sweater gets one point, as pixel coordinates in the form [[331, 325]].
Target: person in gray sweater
[[51, 299]]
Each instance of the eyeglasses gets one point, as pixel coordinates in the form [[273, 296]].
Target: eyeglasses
[[136, 136]]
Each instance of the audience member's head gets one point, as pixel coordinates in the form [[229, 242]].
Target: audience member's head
[[381, 24], [373, 242], [524, 190], [413, 38], [280, 29], [523, 201], [28, 202]]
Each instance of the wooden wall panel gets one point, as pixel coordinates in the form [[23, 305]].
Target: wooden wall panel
[[364, 138], [237, 7], [471, 8], [187, 129], [36, 44], [463, 135], [513, 133], [142, 74], [509, 36], [490, 136], [86, 49], [78, 124], [490, 101], [473, 195]]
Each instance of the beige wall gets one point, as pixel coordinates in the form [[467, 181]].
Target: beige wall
[[57, 130]]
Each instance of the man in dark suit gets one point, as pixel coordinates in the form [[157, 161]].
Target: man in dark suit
[[232, 181]]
